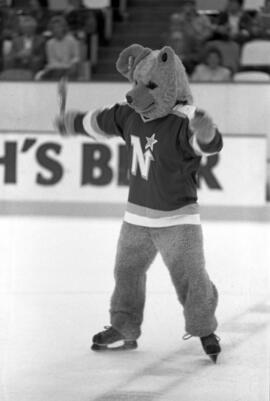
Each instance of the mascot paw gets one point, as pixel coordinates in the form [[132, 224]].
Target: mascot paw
[[203, 127], [64, 123]]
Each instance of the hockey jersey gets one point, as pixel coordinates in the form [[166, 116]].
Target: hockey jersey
[[164, 157]]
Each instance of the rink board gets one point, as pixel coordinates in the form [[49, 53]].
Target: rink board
[[44, 167]]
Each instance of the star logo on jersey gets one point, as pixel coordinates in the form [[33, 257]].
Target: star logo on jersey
[[151, 141]]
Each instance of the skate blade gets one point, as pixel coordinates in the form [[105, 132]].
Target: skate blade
[[117, 346], [213, 357]]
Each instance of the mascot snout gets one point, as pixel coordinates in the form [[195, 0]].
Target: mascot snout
[[140, 98]]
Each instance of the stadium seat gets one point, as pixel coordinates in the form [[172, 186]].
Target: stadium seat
[[251, 76], [16, 75], [253, 4], [59, 5], [211, 4], [97, 3], [255, 53]]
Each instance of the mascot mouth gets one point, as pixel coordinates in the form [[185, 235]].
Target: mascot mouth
[[148, 108]]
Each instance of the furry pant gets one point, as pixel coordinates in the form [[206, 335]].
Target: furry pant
[[181, 248]]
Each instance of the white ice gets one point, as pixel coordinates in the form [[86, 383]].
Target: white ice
[[56, 277]]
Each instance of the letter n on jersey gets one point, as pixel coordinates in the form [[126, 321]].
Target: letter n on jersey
[[143, 160]]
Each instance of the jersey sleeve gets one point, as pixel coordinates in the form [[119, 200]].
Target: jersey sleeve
[[207, 149], [106, 123]]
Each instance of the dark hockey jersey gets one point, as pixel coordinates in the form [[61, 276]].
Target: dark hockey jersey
[[164, 157]]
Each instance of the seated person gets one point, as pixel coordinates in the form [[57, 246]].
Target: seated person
[[185, 48], [9, 22], [262, 21], [80, 19], [27, 48], [230, 51], [3, 17], [24, 6], [183, 40], [212, 68], [103, 14], [62, 51], [197, 25], [234, 23]]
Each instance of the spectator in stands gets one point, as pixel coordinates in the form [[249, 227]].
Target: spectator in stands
[[211, 69], [37, 8], [185, 48], [195, 25], [266, 7], [262, 21], [3, 4], [41, 13], [103, 15], [230, 51], [185, 45], [9, 23], [187, 32], [234, 23], [62, 51], [28, 48], [77, 16], [81, 20], [82, 23], [26, 5], [3, 9], [120, 10]]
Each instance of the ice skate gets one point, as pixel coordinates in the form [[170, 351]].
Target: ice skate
[[211, 346], [111, 340]]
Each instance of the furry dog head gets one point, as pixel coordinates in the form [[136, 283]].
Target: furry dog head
[[159, 80]]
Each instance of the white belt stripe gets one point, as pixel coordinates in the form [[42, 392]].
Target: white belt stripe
[[162, 221]]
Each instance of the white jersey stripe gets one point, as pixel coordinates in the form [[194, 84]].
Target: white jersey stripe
[[90, 125], [197, 149], [163, 221], [192, 208]]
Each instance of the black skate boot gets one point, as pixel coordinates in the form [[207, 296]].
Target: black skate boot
[[110, 339], [211, 346]]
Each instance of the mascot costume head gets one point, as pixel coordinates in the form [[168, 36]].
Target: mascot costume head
[[159, 80]]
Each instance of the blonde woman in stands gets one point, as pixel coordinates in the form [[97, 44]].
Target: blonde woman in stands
[[62, 51], [211, 69]]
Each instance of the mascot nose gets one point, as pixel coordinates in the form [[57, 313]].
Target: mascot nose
[[129, 99]]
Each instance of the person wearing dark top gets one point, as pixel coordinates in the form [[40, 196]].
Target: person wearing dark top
[[234, 23]]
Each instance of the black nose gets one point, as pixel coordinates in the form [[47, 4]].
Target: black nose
[[129, 99]]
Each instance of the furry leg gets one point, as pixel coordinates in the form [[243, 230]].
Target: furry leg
[[135, 253], [182, 250]]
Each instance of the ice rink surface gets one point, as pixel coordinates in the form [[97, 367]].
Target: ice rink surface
[[56, 277]]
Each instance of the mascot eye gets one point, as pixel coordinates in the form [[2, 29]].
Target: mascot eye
[[164, 57], [151, 85]]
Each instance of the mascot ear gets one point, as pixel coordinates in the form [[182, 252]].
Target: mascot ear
[[165, 55], [129, 58]]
